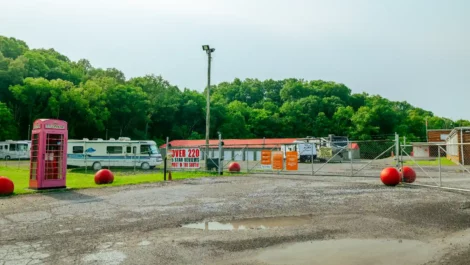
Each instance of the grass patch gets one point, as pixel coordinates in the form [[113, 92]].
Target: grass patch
[[78, 179], [435, 162]]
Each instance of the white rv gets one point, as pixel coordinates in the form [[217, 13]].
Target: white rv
[[15, 149], [122, 152]]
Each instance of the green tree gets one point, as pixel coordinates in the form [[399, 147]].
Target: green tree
[[363, 121], [164, 105], [11, 47], [41, 98], [128, 107], [342, 121], [9, 130], [294, 90]]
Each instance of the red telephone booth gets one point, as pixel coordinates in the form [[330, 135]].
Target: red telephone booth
[[48, 167]]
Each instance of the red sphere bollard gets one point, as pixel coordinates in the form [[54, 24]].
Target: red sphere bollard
[[104, 176], [234, 167], [409, 175], [390, 176], [6, 186]]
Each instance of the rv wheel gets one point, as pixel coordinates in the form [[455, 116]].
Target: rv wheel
[[7, 157], [145, 166], [96, 166]]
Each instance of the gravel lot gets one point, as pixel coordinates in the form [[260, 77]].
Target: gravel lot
[[262, 219]]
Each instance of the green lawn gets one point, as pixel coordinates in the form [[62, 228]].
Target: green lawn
[[78, 179], [435, 162]]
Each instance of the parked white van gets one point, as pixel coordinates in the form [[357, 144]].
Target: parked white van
[[10, 149], [122, 152]]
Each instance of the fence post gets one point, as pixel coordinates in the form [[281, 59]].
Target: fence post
[[350, 153], [165, 159], [397, 149], [440, 168], [461, 148], [313, 170], [220, 154], [86, 157], [246, 158], [134, 158], [164, 169]]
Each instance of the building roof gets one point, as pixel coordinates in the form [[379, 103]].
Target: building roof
[[456, 129], [234, 143], [354, 146], [439, 130]]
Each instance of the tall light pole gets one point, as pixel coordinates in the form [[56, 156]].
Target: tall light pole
[[209, 52]]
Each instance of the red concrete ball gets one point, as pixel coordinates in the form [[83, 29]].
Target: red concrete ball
[[409, 175], [6, 186], [104, 176], [390, 176], [234, 167]]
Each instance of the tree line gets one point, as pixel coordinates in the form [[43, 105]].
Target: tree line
[[42, 83]]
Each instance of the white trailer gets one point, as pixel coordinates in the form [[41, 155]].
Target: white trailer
[[306, 150], [122, 152], [10, 149]]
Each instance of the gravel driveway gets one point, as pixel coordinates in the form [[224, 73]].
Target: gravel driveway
[[259, 219]]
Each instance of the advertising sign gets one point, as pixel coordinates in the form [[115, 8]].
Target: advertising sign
[[292, 162], [278, 160], [185, 158], [266, 159]]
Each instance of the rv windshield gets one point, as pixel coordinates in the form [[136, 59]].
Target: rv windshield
[[148, 149], [154, 149], [340, 141]]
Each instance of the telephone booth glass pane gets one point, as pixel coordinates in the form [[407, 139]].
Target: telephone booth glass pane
[[54, 156], [34, 156]]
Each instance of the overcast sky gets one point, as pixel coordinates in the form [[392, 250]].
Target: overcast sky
[[413, 50]]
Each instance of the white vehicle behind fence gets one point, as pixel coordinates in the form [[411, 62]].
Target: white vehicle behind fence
[[10, 149], [307, 151], [123, 152]]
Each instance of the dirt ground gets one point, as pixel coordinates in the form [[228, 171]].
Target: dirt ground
[[258, 219]]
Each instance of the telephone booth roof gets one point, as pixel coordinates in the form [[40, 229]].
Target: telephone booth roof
[[49, 124]]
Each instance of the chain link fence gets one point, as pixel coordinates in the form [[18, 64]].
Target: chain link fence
[[351, 158], [444, 165], [15, 163]]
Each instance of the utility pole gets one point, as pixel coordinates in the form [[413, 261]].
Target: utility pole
[[209, 52]]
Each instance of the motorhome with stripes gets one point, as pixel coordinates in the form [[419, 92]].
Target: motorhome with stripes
[[123, 152], [10, 149]]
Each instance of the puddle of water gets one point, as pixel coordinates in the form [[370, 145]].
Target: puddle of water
[[350, 252], [252, 223]]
